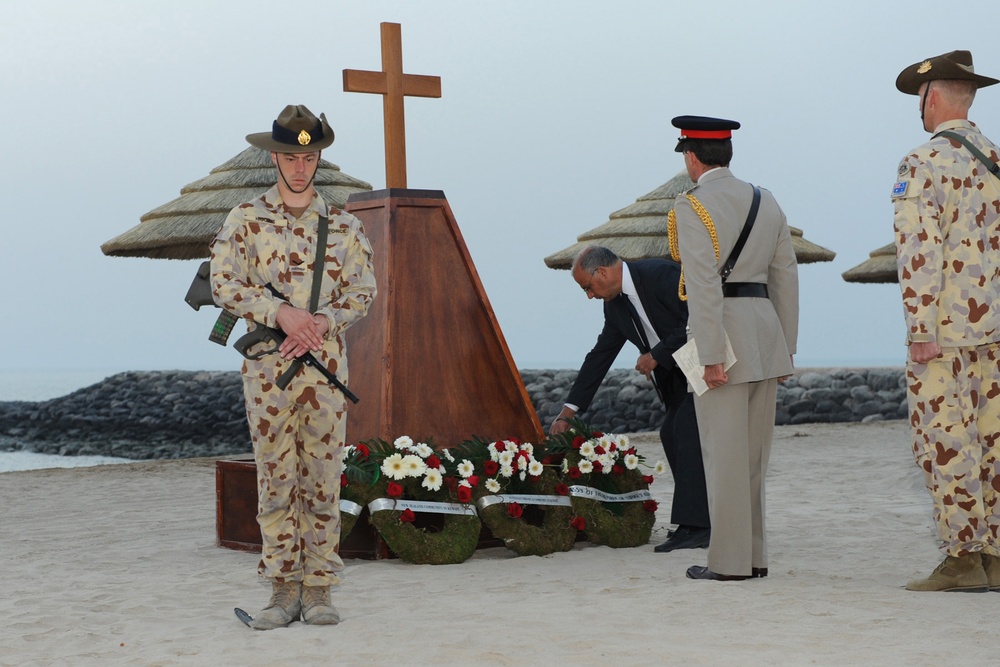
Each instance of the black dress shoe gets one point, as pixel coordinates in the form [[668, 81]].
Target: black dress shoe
[[686, 538], [702, 572]]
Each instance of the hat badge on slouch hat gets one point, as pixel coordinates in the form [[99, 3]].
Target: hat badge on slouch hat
[[953, 65], [703, 127], [296, 130]]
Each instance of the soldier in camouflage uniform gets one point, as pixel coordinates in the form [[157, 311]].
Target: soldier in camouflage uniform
[[298, 433], [947, 222]]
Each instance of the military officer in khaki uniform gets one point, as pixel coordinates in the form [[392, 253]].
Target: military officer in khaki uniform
[[298, 433], [947, 223], [757, 309]]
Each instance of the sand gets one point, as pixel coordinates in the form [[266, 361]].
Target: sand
[[117, 565]]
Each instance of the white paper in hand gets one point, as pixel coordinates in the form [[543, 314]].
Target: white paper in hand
[[687, 360]]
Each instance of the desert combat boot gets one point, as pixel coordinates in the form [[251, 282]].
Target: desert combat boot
[[316, 607], [992, 566], [955, 573], [283, 608]]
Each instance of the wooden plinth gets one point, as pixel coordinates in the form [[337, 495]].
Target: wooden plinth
[[429, 360]]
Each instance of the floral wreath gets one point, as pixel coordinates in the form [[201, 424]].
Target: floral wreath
[[413, 475], [523, 501], [609, 493]]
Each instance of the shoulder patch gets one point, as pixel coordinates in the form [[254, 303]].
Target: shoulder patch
[[899, 189], [903, 168]]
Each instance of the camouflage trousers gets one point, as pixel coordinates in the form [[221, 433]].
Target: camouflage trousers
[[954, 405], [298, 437]]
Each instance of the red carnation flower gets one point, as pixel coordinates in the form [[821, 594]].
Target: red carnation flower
[[394, 490], [514, 510], [598, 449], [363, 450], [574, 472], [407, 516], [464, 494], [473, 479], [433, 461], [617, 469], [647, 479], [578, 522], [650, 505], [562, 489], [490, 467], [578, 441], [598, 467], [343, 480], [501, 447], [598, 434]]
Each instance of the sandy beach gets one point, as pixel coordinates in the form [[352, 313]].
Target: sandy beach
[[117, 565]]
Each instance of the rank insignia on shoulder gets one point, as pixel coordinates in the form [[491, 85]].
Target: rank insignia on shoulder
[[899, 189]]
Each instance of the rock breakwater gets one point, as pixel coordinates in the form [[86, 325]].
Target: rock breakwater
[[182, 414]]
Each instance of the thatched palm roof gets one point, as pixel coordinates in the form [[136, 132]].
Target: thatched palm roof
[[182, 228], [880, 267], [639, 231]]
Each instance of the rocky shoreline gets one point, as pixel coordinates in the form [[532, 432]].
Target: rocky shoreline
[[184, 414]]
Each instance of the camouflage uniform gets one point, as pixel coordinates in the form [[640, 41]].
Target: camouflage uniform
[[947, 220], [298, 433]]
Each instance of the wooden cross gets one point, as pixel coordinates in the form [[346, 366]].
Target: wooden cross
[[393, 85]]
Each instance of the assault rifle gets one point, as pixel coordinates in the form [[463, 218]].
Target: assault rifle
[[200, 294]]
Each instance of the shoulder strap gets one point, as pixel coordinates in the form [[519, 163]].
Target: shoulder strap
[[727, 268], [321, 234], [990, 164]]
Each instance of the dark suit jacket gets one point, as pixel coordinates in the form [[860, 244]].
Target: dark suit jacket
[[656, 284]]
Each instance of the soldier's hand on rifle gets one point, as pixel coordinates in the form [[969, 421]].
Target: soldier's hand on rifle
[[302, 331]]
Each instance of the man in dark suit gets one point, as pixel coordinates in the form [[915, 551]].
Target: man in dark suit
[[641, 305]]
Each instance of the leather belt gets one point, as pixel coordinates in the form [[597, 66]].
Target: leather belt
[[731, 290]]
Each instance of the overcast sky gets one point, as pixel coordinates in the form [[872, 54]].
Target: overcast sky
[[554, 114]]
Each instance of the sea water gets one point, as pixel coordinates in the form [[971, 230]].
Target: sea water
[[20, 385]]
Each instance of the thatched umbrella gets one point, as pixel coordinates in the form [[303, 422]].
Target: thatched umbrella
[[639, 231], [183, 228], [880, 267]]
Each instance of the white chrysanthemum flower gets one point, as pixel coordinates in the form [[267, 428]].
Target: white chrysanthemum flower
[[465, 482], [423, 450], [465, 468], [631, 461], [535, 468], [511, 446], [522, 463], [606, 441], [447, 454], [660, 468], [623, 442], [587, 449], [413, 466], [506, 459], [507, 470], [403, 442], [606, 462], [565, 465], [432, 480], [528, 447], [492, 485], [586, 466], [392, 466], [521, 475]]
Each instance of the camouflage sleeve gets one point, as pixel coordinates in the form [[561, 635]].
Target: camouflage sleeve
[[354, 286], [232, 288], [918, 205]]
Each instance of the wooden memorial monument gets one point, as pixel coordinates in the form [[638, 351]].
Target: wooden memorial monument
[[429, 359]]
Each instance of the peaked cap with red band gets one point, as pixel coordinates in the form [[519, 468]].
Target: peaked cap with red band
[[703, 127]]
